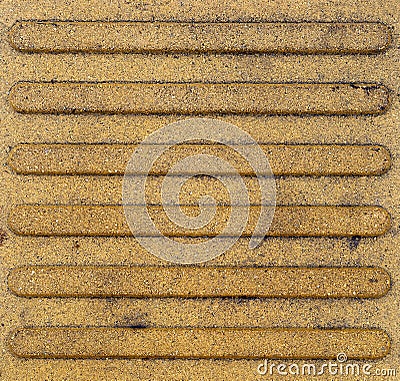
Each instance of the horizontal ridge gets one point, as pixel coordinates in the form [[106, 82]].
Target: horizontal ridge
[[198, 99], [112, 159], [134, 281], [230, 343], [110, 221], [134, 37]]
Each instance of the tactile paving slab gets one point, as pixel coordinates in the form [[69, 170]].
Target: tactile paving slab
[[315, 83]]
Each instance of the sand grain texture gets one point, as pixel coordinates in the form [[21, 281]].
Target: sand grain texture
[[315, 83]]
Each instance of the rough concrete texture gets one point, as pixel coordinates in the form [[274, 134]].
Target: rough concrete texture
[[315, 82]]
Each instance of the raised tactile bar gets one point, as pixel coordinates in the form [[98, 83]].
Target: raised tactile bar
[[229, 343], [109, 221], [135, 281], [199, 99], [162, 37], [112, 159]]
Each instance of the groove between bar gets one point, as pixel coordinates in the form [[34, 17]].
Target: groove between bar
[[112, 159], [110, 221], [199, 99], [229, 343], [161, 37], [270, 282]]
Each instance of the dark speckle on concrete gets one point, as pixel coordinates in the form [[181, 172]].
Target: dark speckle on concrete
[[354, 242], [3, 237]]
